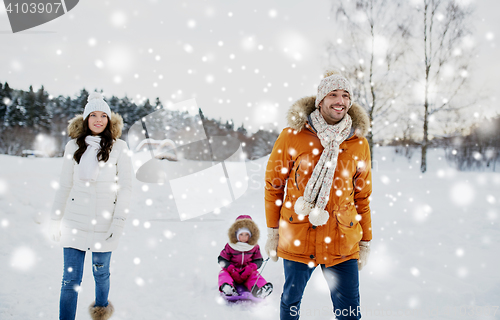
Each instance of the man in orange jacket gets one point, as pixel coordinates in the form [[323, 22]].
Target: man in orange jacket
[[323, 161]]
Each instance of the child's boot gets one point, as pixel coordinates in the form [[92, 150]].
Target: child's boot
[[228, 290], [263, 291]]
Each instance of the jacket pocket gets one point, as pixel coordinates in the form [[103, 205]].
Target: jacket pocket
[[288, 212], [294, 238], [349, 231]]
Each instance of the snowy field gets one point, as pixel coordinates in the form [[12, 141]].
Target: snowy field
[[434, 253]]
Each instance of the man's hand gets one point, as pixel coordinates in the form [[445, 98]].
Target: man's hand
[[272, 243], [364, 253]]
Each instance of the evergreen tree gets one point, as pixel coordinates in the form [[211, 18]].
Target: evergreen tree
[[3, 106], [28, 101], [242, 129], [36, 116], [146, 109], [7, 91], [58, 109], [114, 104], [230, 125], [126, 109], [41, 105], [158, 104], [78, 104], [16, 112]]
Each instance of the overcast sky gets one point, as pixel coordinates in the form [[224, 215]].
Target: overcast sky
[[241, 60]]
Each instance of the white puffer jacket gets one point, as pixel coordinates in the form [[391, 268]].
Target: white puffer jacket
[[88, 209]]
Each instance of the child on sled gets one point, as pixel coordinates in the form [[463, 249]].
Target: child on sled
[[240, 260]]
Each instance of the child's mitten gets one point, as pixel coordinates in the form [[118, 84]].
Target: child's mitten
[[235, 274], [248, 270]]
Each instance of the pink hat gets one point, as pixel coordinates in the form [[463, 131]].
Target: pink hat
[[244, 216]]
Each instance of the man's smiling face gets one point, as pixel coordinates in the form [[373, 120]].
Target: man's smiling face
[[334, 106]]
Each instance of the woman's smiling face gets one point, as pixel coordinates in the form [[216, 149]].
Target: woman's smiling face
[[98, 121]]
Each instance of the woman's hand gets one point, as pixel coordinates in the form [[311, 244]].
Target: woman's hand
[[55, 230], [113, 233]]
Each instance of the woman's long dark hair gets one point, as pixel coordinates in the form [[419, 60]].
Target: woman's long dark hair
[[106, 142]]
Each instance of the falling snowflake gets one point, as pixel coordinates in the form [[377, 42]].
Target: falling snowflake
[[23, 258], [462, 194]]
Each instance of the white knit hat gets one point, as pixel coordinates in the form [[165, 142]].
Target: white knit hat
[[332, 81], [241, 230], [96, 103]]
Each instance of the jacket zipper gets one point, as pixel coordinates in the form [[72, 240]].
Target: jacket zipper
[[296, 172]]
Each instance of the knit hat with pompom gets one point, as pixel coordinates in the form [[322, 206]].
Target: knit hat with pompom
[[96, 103], [333, 80]]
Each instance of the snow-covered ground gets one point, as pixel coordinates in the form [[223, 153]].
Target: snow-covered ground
[[434, 252]]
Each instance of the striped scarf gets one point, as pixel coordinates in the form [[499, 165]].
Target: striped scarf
[[317, 191]]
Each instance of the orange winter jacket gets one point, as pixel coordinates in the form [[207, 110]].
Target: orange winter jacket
[[292, 161]]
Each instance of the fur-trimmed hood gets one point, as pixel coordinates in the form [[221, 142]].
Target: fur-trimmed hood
[[75, 126], [298, 112], [244, 223]]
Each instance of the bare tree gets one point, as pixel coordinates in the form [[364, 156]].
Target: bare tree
[[374, 48], [446, 58]]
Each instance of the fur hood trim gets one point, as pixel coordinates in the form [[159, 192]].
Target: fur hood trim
[[244, 223], [75, 126], [298, 112]]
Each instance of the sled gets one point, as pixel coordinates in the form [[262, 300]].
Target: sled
[[243, 295]]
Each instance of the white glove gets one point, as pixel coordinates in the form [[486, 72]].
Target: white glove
[[364, 253], [113, 233], [55, 230], [272, 244]]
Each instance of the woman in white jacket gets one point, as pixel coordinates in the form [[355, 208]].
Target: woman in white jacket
[[92, 203]]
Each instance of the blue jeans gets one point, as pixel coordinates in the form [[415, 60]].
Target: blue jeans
[[342, 280], [72, 278]]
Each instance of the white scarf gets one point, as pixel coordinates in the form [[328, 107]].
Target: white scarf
[[241, 246], [318, 187], [89, 165]]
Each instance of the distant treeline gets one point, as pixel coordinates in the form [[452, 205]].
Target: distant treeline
[[26, 114], [479, 150]]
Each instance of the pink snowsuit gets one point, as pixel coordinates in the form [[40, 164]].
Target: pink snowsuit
[[240, 255], [241, 259]]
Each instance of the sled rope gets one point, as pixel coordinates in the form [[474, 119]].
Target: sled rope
[[262, 270]]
